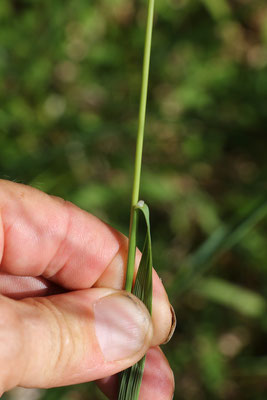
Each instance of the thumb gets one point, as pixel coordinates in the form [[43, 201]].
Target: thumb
[[70, 338]]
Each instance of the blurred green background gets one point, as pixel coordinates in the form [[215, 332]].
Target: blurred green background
[[69, 94]]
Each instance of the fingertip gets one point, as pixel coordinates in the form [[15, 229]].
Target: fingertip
[[173, 325], [157, 382], [123, 326], [161, 311], [73, 337], [158, 379]]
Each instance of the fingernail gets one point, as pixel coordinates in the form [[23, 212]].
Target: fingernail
[[122, 324], [173, 326]]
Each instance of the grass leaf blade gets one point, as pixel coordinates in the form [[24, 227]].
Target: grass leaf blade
[[223, 239], [131, 378]]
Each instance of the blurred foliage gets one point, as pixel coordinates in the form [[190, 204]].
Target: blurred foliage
[[69, 94]]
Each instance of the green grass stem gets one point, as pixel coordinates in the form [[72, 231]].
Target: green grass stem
[[139, 148]]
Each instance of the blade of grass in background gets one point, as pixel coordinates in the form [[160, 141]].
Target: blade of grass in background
[[220, 241], [218, 9], [228, 294]]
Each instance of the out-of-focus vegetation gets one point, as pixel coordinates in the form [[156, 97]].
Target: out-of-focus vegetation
[[69, 92]]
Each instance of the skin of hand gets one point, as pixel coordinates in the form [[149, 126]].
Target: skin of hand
[[64, 316]]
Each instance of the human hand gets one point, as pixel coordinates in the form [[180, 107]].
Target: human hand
[[63, 316]]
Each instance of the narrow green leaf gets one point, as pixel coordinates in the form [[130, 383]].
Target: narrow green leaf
[[131, 381], [218, 9], [228, 294], [143, 283], [132, 377], [224, 238]]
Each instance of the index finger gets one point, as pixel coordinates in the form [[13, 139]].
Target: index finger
[[41, 235], [44, 235]]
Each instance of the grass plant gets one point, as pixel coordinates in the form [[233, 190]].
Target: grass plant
[[131, 379]]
